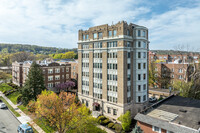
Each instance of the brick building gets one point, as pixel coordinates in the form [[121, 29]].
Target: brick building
[[172, 67], [174, 114], [53, 72], [113, 68]]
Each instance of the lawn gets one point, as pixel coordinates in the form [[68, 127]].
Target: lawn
[[45, 128], [5, 87], [10, 107], [23, 109], [13, 97]]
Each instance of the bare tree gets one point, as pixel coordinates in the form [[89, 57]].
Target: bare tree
[[22, 56]]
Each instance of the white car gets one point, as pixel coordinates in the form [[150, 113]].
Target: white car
[[152, 99], [2, 105]]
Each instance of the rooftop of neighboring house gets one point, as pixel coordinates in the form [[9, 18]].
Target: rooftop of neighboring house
[[5, 67], [175, 113]]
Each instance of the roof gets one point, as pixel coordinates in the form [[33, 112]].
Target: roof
[[25, 126], [175, 113]]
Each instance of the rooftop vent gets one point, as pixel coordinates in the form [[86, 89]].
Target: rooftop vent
[[183, 110]]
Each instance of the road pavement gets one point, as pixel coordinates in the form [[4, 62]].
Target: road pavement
[[8, 123]]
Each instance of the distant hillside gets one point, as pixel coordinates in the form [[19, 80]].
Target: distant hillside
[[13, 48], [171, 52]]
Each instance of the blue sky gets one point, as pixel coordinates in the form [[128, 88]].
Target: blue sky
[[56, 23]]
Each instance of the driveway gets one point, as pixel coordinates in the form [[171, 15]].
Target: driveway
[[8, 123]]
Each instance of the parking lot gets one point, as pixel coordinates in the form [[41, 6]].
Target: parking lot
[[8, 123]]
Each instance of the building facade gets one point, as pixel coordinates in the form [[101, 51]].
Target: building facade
[[113, 68], [74, 69], [53, 73]]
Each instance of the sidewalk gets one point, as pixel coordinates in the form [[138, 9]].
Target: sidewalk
[[23, 118]]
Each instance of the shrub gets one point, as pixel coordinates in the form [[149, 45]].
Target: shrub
[[118, 128], [105, 122], [19, 98], [126, 120], [100, 118], [9, 92], [31, 106], [110, 125]]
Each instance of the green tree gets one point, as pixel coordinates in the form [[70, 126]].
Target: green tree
[[4, 76], [33, 85], [153, 74], [126, 120]]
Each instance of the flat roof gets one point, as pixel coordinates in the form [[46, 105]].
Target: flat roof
[[174, 110]]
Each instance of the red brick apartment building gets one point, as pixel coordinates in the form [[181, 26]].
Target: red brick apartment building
[[53, 72], [174, 114], [74, 66], [172, 66]]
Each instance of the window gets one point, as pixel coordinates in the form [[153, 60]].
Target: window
[[83, 37], [94, 35], [144, 33], [57, 70], [50, 85], [74, 73], [67, 76], [139, 99], [111, 44], [139, 55], [129, 77], [109, 33], [139, 76], [139, 44], [139, 34], [144, 65], [144, 54], [180, 77], [170, 132], [114, 112], [50, 71], [128, 55], [97, 45], [109, 110], [144, 87], [67, 69], [87, 37], [139, 87], [57, 77], [172, 69], [74, 67], [128, 32], [82, 101], [139, 65], [172, 75], [180, 70], [115, 32], [129, 66], [144, 76], [156, 129], [128, 44], [144, 98], [50, 78], [100, 35], [144, 44], [86, 104]]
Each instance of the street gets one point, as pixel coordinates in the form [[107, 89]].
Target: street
[[8, 123]]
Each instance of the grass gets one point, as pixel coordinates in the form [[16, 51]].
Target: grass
[[5, 87], [34, 130], [23, 108], [13, 97], [44, 127], [10, 107]]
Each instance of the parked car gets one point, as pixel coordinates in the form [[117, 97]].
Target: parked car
[[24, 128], [152, 99], [2, 105]]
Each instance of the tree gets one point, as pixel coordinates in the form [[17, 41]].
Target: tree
[[126, 120], [33, 85], [22, 56], [62, 113], [153, 74], [4, 76], [65, 86]]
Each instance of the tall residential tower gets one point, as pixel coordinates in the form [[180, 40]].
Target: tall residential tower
[[113, 68]]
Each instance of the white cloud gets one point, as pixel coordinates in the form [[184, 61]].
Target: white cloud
[[177, 27], [56, 22]]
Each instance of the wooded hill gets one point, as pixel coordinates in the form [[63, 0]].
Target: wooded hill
[[13, 48]]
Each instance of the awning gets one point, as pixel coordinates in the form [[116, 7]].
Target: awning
[[96, 104]]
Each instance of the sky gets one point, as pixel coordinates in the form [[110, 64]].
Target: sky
[[55, 23]]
